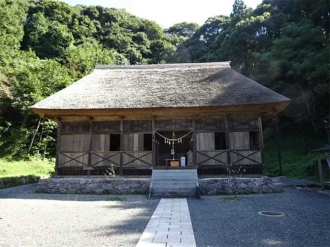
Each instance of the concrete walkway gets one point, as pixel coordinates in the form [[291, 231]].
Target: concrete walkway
[[169, 226]]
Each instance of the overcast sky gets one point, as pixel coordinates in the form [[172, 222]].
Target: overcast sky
[[169, 12]]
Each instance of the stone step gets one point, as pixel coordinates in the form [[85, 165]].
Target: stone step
[[190, 191], [172, 173], [173, 195], [182, 176], [174, 177], [176, 190], [168, 186], [174, 182]]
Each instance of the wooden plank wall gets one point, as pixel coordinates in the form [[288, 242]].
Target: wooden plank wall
[[74, 143], [73, 146], [238, 140], [205, 141], [133, 142], [238, 144], [101, 142]]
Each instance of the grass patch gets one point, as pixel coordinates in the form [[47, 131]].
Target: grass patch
[[297, 159], [33, 166]]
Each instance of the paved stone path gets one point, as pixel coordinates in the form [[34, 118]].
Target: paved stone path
[[169, 226]]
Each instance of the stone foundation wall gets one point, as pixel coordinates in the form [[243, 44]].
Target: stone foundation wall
[[242, 186], [131, 186], [92, 186], [16, 181]]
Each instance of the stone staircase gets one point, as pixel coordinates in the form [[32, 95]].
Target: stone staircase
[[174, 183]]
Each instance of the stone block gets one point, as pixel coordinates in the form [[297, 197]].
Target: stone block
[[265, 189], [41, 189], [71, 191], [258, 182], [99, 191], [51, 191], [247, 190], [135, 185], [241, 186], [62, 190], [255, 190], [22, 180], [228, 191], [251, 185], [278, 187]]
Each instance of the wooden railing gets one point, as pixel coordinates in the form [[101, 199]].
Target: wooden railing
[[246, 157], [105, 158], [226, 157], [73, 158], [137, 159], [132, 159], [212, 157]]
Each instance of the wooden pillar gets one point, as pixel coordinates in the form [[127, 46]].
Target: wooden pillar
[[195, 142], [121, 146], [227, 142], [278, 146], [153, 141], [261, 136], [90, 147], [58, 147], [320, 171]]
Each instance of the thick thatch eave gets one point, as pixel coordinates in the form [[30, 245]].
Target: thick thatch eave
[[162, 87]]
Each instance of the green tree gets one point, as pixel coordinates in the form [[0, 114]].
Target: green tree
[[239, 8], [161, 51], [12, 17], [29, 80], [300, 57], [81, 59], [183, 29], [49, 39]]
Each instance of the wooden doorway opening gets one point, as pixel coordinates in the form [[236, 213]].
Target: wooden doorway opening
[[165, 147]]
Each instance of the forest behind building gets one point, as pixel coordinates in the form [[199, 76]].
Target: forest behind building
[[46, 45]]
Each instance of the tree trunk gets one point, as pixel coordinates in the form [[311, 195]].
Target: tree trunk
[[34, 135], [307, 104]]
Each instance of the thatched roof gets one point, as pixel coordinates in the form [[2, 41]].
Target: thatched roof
[[161, 86]]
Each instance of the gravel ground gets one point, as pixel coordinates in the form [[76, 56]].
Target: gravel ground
[[294, 182], [29, 219], [220, 221]]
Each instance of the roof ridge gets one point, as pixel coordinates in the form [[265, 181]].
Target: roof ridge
[[166, 66]]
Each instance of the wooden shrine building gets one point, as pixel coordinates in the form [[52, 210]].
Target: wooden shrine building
[[144, 117]]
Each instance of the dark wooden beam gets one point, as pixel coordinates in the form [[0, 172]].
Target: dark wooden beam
[[121, 146], [278, 146], [153, 141], [227, 143], [194, 141], [58, 146], [90, 135], [261, 136]]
